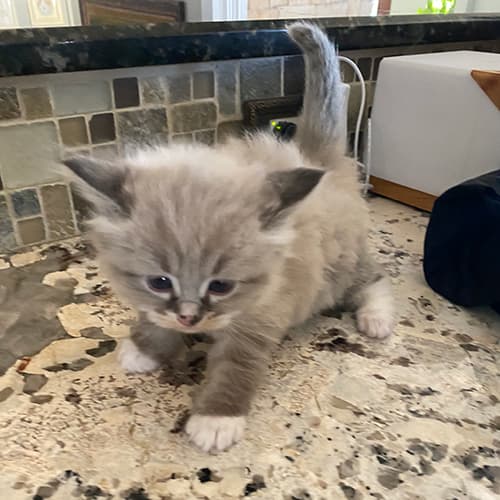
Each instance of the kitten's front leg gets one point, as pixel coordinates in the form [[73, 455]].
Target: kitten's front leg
[[234, 370], [148, 347]]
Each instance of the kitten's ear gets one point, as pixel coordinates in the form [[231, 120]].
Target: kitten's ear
[[286, 188], [101, 183]]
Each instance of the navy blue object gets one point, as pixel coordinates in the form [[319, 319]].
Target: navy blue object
[[462, 243]]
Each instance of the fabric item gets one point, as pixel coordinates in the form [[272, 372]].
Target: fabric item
[[462, 243]]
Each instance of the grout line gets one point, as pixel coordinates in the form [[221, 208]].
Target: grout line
[[282, 76]]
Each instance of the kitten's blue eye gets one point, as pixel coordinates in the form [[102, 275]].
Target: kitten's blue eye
[[160, 284], [220, 287]]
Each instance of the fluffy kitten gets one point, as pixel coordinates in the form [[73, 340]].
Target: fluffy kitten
[[241, 241]]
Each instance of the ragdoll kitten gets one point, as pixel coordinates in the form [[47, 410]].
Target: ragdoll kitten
[[240, 241]]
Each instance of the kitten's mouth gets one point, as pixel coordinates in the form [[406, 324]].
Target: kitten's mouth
[[209, 322]]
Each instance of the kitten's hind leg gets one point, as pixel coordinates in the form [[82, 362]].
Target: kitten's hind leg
[[375, 312], [148, 347]]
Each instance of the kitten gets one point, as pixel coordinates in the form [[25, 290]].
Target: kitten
[[240, 241]]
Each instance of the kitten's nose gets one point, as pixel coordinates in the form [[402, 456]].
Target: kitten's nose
[[188, 313]]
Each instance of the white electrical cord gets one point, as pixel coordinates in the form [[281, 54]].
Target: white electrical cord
[[358, 123]]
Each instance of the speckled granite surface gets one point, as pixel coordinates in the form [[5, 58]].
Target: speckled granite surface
[[416, 417], [59, 50]]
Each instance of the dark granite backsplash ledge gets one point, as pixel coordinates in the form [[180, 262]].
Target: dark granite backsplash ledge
[[60, 50]]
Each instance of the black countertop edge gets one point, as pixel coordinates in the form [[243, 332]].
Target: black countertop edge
[[60, 50]]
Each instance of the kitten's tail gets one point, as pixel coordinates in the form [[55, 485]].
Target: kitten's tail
[[320, 130]]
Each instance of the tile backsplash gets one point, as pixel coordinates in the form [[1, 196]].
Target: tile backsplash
[[44, 118]]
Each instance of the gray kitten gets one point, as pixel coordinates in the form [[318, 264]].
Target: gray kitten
[[241, 241]]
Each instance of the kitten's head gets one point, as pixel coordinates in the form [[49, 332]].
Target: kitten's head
[[186, 236]]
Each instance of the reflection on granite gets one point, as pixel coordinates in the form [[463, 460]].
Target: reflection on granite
[[57, 50], [339, 416]]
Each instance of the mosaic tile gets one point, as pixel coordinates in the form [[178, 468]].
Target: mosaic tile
[[73, 131], [294, 75], [203, 84], [36, 103], [102, 128], [80, 98], [25, 203], [260, 78], [376, 65], [226, 87], [179, 88], [9, 104], [108, 151], [347, 72], [205, 137], [126, 92], [35, 147], [58, 213], [82, 210], [144, 126], [355, 101], [195, 116], [31, 230], [7, 237], [183, 138], [365, 66], [153, 91], [226, 130]]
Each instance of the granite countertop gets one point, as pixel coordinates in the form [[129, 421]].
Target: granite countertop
[[338, 416], [59, 50]]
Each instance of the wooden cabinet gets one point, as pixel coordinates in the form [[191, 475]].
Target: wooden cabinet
[[131, 11]]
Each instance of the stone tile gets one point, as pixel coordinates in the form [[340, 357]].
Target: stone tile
[[35, 147], [205, 137], [25, 203], [226, 74], [365, 66], [82, 209], [183, 138], [195, 116], [203, 84], [36, 103], [58, 213], [153, 91], [126, 92], [354, 102], [226, 130], [9, 104], [347, 72], [79, 98], [179, 88], [260, 78], [105, 152], [7, 237], [73, 131], [294, 75], [102, 128], [144, 126], [31, 230], [376, 65]]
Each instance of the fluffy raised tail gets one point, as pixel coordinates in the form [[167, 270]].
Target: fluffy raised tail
[[320, 130]]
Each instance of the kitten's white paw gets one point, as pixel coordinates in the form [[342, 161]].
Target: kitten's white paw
[[132, 360], [211, 433], [375, 323], [376, 315]]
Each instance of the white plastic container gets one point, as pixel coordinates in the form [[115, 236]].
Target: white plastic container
[[432, 125]]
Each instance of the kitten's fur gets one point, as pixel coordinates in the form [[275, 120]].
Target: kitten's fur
[[293, 239]]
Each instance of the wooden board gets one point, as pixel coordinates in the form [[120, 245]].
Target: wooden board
[[404, 194], [131, 11]]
